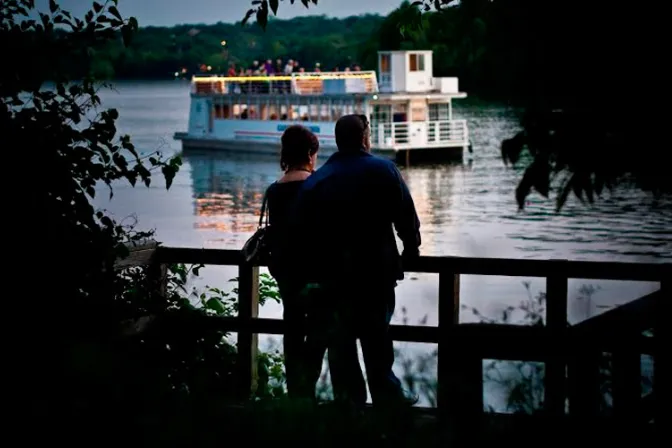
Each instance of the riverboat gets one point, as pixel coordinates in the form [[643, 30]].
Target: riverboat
[[410, 110]]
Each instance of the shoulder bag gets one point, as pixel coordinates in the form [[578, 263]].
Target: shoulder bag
[[256, 249]]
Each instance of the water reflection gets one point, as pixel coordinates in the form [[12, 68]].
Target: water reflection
[[228, 189], [432, 189], [465, 209]]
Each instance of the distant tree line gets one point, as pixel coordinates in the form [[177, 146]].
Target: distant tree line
[[160, 52], [478, 45]]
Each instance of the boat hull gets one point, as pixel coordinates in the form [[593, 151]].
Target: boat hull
[[403, 156]]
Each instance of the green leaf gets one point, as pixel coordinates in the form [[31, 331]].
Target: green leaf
[[248, 14], [215, 305], [97, 7], [564, 194], [127, 35], [106, 221], [115, 12], [262, 18], [274, 6], [599, 184], [176, 162], [53, 6], [169, 175]]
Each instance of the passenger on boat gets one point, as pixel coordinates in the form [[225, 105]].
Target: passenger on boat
[[304, 342], [269, 69], [289, 68]]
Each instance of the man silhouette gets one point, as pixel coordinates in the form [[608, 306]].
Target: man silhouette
[[349, 209]]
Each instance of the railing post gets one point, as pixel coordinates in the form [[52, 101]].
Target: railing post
[[158, 275], [449, 317], [248, 309], [661, 358], [460, 370], [556, 363], [626, 377], [584, 380], [465, 131]]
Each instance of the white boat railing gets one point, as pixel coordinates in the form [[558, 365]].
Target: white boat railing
[[396, 135], [447, 131]]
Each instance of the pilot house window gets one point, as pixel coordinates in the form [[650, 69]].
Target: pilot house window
[[384, 63], [417, 62]]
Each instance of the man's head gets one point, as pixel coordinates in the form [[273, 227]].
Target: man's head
[[353, 133]]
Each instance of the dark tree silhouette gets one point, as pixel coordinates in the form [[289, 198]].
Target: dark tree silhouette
[[582, 75]]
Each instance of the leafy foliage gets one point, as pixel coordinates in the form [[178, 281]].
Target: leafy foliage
[[523, 381], [74, 145], [110, 335], [186, 331], [260, 10]]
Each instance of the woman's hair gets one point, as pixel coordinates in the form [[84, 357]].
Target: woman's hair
[[298, 146]]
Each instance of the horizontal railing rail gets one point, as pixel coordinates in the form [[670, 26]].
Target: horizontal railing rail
[[654, 272]]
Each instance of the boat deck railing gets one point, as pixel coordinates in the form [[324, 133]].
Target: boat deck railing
[[440, 132], [313, 83]]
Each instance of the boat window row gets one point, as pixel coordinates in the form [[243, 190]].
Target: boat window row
[[290, 107], [416, 110]]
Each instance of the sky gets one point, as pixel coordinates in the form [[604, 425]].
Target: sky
[[171, 12]]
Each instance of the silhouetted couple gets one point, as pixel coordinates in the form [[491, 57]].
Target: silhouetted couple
[[335, 258]]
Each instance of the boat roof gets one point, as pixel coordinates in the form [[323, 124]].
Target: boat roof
[[332, 84], [405, 51], [304, 83]]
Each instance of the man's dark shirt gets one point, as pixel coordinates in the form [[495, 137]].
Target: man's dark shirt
[[345, 213]]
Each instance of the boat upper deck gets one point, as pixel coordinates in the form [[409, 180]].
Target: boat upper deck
[[313, 83]]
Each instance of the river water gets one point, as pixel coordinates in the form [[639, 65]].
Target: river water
[[465, 210]]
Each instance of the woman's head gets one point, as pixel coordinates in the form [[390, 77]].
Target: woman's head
[[299, 148]]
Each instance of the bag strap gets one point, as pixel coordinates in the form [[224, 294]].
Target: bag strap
[[263, 217]]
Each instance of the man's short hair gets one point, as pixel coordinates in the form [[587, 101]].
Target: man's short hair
[[350, 131]]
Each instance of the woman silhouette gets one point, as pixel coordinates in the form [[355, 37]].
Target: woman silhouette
[[303, 349]]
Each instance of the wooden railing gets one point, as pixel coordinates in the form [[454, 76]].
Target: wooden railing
[[570, 353]]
